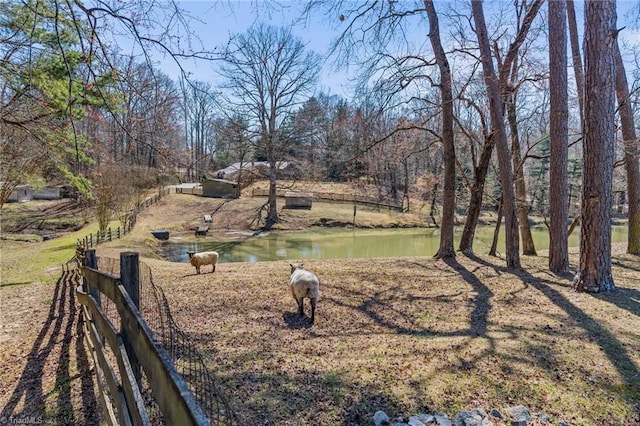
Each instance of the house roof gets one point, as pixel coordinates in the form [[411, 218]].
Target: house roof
[[235, 167]]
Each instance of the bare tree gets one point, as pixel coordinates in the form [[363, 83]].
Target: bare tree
[[448, 207], [512, 240], [594, 271], [269, 74], [511, 84], [507, 65], [199, 107], [631, 154], [559, 116]]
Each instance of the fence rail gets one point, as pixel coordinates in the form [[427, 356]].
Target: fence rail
[[149, 371], [338, 197]]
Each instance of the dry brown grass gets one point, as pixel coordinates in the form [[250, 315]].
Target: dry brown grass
[[414, 334], [404, 335]]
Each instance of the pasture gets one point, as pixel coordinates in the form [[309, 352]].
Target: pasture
[[411, 335], [403, 335]]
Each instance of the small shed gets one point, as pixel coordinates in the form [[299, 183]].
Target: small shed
[[220, 188], [21, 193], [298, 200]]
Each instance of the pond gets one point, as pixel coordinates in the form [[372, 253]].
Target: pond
[[340, 243]]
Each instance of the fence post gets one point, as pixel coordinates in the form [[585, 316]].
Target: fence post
[[91, 261], [130, 280]]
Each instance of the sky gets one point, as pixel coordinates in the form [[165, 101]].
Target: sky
[[217, 21], [214, 22]]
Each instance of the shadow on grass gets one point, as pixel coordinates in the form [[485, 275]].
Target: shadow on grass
[[624, 298], [57, 330], [482, 306], [280, 379], [311, 397], [478, 318], [614, 350], [295, 321]]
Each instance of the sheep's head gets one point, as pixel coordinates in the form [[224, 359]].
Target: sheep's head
[[191, 253], [295, 266]]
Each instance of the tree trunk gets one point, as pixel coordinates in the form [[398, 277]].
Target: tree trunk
[[631, 153], [575, 56], [528, 246], [475, 199], [558, 133], [272, 213], [477, 190], [432, 210], [496, 232], [594, 271], [512, 240], [449, 195]]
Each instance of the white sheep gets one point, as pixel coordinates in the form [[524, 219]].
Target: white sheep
[[203, 258], [304, 284]]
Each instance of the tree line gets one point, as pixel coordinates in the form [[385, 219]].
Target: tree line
[[462, 105]]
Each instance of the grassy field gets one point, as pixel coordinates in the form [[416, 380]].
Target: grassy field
[[404, 335]]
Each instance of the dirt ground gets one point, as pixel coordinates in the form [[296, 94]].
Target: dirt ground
[[404, 335], [46, 374]]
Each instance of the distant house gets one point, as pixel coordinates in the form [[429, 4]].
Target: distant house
[[258, 170], [21, 193], [220, 188]]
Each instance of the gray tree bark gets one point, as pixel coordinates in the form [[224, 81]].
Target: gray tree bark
[[594, 271], [559, 117], [631, 153]]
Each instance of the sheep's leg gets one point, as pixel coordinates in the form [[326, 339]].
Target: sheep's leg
[[197, 269], [300, 306], [214, 268], [313, 310]]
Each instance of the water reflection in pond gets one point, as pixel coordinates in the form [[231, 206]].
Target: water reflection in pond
[[346, 243]]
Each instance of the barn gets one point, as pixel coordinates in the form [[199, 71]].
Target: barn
[[220, 188]]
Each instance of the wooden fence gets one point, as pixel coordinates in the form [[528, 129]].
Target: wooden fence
[[110, 234], [338, 197], [135, 349]]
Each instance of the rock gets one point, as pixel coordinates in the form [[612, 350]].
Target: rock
[[427, 419], [380, 418], [497, 414], [477, 417], [520, 415], [415, 421], [443, 420]]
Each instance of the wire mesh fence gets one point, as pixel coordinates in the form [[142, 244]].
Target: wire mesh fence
[[188, 361]]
